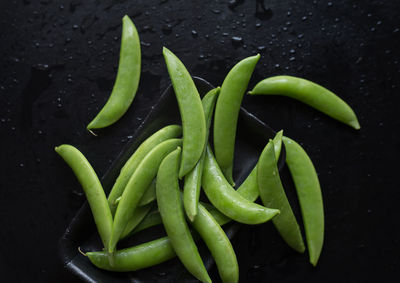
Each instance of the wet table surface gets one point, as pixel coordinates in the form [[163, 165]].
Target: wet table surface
[[58, 65]]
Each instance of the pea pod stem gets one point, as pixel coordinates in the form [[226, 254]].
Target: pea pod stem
[[273, 195], [171, 210], [309, 93], [127, 81], [92, 187], [227, 112], [309, 194], [191, 110], [191, 188]]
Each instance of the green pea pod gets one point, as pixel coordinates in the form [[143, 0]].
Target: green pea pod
[[309, 93], [168, 132], [135, 258], [227, 200], [248, 189], [191, 110], [218, 244], [138, 215], [173, 217], [309, 194], [150, 194], [152, 219], [137, 185], [273, 195], [227, 112], [191, 188], [127, 81], [92, 187]]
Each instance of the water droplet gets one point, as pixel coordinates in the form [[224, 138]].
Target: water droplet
[[194, 34], [304, 18], [261, 47], [21, 165], [292, 51], [330, 4], [288, 13], [258, 25], [216, 11], [236, 40]]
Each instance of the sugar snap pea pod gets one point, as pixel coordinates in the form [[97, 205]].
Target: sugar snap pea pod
[[152, 219], [138, 215], [191, 110], [137, 185], [135, 258], [127, 81], [150, 194], [278, 144], [248, 189], [168, 132], [309, 194], [92, 187], [173, 216], [191, 188], [227, 112], [309, 93], [273, 195], [218, 244], [227, 200]]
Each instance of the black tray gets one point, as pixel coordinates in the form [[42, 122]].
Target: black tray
[[252, 136]]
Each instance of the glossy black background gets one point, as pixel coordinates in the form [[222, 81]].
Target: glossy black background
[[58, 64]]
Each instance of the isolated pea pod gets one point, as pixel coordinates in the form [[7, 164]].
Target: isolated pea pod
[[227, 112], [191, 110], [136, 187], [127, 81], [309, 93], [309, 194], [191, 188], [92, 187], [273, 195], [173, 216], [168, 132]]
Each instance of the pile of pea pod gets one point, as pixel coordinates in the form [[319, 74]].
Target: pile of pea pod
[[147, 191]]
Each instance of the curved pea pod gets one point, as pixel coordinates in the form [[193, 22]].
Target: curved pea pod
[[191, 187], [227, 200], [309, 194], [137, 185], [218, 244], [92, 187], [191, 110], [135, 258], [173, 217], [127, 81], [227, 112], [309, 93], [273, 195], [168, 132]]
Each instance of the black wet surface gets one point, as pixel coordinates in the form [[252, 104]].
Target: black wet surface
[[58, 64]]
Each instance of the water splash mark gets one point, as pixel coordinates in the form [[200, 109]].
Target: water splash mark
[[262, 12], [39, 81]]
